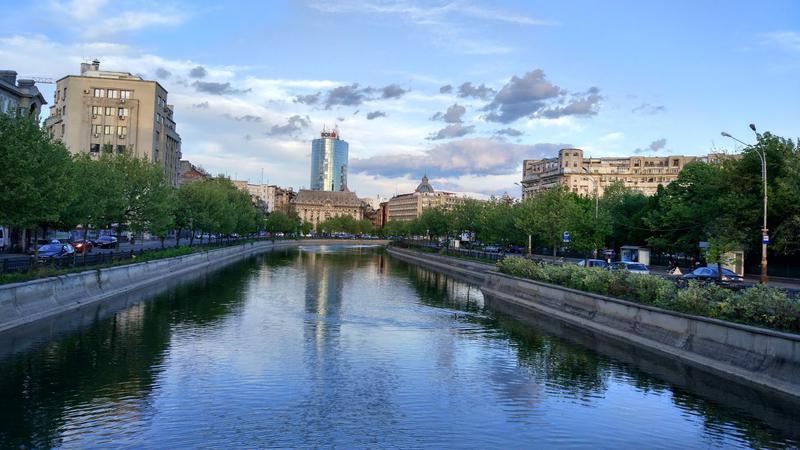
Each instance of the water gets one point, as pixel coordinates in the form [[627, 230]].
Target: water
[[345, 347]]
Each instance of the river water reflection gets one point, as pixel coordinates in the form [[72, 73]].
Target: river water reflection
[[343, 346]]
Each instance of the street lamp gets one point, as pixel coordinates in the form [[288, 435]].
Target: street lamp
[[596, 192], [764, 230], [596, 199], [530, 241]]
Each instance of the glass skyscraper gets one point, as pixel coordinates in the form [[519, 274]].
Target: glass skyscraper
[[329, 162]]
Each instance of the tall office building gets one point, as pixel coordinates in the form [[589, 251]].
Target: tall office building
[[115, 112], [329, 162]]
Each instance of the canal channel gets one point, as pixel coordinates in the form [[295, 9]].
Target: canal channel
[[343, 346]]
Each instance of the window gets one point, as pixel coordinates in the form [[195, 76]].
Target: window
[[99, 92], [107, 129], [62, 129], [676, 162], [98, 129], [158, 117], [122, 131], [109, 111], [113, 93], [64, 94], [122, 112], [120, 149], [58, 94], [95, 148], [124, 94], [97, 110]]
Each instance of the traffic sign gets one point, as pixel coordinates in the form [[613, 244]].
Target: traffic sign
[[765, 239], [565, 237]]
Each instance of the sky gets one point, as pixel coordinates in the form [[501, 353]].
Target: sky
[[462, 91]]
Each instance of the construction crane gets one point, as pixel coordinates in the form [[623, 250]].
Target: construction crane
[[40, 80]]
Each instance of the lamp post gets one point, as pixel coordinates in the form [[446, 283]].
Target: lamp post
[[596, 199], [764, 230], [530, 242]]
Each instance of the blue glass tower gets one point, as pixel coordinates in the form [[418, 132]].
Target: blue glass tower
[[329, 162]]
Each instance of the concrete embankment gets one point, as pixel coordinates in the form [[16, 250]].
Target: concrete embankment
[[32, 301], [758, 357]]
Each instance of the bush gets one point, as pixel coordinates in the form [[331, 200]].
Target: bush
[[758, 305]]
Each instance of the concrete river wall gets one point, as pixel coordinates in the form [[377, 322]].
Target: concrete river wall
[[759, 357], [31, 301]]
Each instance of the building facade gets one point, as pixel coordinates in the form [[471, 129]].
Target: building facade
[[329, 155], [189, 173], [318, 206], [407, 207], [116, 112], [268, 196], [20, 97], [580, 175]]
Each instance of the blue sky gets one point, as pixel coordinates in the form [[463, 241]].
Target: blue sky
[[525, 78]]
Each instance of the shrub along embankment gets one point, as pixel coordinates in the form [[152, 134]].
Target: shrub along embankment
[[758, 305]]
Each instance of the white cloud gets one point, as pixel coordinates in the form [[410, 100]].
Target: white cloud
[[101, 18], [612, 137], [787, 40]]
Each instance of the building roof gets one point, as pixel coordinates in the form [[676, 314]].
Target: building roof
[[345, 198], [424, 186], [20, 87]]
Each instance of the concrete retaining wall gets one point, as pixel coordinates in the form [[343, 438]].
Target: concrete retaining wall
[[471, 272], [754, 356], [30, 301]]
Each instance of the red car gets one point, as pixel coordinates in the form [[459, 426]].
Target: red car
[[79, 246]]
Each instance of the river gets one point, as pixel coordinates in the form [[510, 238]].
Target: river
[[342, 346]]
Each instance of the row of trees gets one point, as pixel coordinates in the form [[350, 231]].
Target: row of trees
[[44, 187], [720, 203]]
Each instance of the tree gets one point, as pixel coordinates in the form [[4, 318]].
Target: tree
[[548, 214], [36, 178], [685, 209], [625, 209], [499, 225], [98, 195], [144, 191]]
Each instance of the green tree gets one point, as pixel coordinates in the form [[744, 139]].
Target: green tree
[[548, 214], [98, 195], [36, 178]]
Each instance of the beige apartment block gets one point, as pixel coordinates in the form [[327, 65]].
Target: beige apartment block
[[580, 175], [407, 207], [268, 196], [102, 111]]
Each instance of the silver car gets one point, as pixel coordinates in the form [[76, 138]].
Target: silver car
[[632, 267]]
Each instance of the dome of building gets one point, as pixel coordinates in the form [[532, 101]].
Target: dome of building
[[424, 186]]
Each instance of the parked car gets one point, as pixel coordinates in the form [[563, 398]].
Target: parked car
[[79, 246], [632, 267], [49, 252], [710, 274], [593, 263], [106, 242], [492, 249]]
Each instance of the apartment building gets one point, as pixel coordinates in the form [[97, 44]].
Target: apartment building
[[115, 112], [268, 196], [20, 97], [580, 175], [407, 207]]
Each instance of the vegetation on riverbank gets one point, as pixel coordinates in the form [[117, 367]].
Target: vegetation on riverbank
[[758, 305], [150, 255]]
